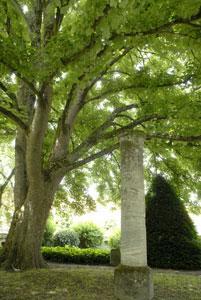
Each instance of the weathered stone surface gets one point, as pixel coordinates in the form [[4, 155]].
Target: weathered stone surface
[[115, 257], [133, 231], [133, 277], [133, 283]]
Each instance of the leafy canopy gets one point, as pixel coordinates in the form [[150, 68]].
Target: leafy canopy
[[113, 66]]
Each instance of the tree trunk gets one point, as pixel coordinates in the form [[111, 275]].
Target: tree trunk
[[22, 248], [33, 196]]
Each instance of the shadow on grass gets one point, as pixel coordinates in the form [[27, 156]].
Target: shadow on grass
[[89, 283]]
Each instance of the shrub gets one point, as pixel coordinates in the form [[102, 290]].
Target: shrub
[[76, 255], [172, 241], [66, 237], [114, 240], [90, 235], [50, 228]]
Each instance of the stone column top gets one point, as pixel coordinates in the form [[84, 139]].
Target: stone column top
[[134, 136]]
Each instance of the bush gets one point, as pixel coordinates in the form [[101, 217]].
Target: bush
[[50, 228], [90, 235], [114, 240], [172, 241], [76, 255], [66, 237]]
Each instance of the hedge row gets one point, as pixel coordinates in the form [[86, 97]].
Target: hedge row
[[76, 255], [172, 240]]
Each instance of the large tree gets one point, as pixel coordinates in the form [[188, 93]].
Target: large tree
[[74, 75]]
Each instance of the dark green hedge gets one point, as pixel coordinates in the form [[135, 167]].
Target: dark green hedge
[[172, 241], [76, 255]]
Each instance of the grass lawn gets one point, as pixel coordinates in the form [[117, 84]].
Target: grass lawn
[[89, 283]]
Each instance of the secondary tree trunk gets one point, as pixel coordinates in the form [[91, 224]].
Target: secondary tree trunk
[[33, 193], [22, 248]]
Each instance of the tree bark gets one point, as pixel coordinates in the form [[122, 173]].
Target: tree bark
[[22, 249], [33, 195], [33, 191]]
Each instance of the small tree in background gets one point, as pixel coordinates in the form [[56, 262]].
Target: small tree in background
[[172, 241], [66, 237], [90, 235]]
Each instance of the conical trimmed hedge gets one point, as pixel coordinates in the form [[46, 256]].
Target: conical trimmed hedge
[[172, 240]]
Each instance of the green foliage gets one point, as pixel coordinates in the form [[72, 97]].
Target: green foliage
[[172, 240], [50, 228], [84, 60], [114, 240], [90, 235], [66, 237], [83, 54], [76, 255]]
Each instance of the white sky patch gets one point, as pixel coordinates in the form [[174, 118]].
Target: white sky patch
[[107, 214], [145, 58], [57, 79], [25, 9], [104, 217], [102, 104], [13, 143], [64, 75], [93, 191], [116, 75], [13, 78], [139, 66], [111, 109], [173, 155], [171, 71], [197, 221], [98, 84]]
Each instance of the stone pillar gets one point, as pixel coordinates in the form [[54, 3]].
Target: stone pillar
[[133, 276]]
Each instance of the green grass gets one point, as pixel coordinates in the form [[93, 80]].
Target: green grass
[[84, 283]]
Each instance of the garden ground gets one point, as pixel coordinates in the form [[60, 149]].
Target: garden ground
[[94, 283]]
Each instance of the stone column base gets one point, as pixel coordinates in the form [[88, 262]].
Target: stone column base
[[115, 257], [133, 283]]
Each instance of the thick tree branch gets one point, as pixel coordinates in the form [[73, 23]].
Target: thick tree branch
[[22, 77], [110, 64], [16, 119], [136, 86], [99, 132], [92, 157], [130, 126], [68, 165], [10, 94], [53, 26], [57, 162], [159, 29], [179, 138], [93, 38], [73, 105], [110, 149], [18, 8]]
